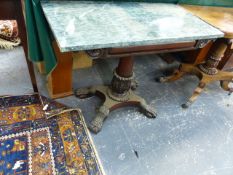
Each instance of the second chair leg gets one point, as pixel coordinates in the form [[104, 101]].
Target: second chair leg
[[196, 93]]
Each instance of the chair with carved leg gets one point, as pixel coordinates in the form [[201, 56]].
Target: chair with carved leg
[[207, 72]]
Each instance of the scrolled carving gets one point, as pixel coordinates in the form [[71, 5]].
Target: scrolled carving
[[202, 43], [96, 53]]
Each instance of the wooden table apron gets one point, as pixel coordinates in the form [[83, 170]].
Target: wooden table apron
[[12, 9], [65, 62]]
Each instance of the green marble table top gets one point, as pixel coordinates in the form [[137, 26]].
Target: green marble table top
[[85, 25]]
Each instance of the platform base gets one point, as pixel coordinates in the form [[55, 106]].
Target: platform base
[[111, 104]]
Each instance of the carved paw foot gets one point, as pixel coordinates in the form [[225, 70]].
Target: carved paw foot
[[84, 92], [148, 111], [96, 124]]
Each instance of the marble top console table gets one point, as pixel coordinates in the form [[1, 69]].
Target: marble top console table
[[123, 29]]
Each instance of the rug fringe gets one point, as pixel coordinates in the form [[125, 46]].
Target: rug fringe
[[4, 44]]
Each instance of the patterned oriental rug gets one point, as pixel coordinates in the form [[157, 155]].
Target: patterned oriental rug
[[32, 144]]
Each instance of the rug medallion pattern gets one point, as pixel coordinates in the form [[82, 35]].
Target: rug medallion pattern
[[31, 144]]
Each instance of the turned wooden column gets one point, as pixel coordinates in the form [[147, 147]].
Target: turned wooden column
[[125, 67], [122, 79], [217, 53]]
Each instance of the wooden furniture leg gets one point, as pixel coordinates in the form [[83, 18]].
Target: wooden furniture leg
[[60, 79], [196, 93], [206, 72], [175, 76], [118, 94], [23, 37]]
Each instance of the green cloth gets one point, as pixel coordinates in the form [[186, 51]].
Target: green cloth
[[222, 3], [39, 37], [154, 1]]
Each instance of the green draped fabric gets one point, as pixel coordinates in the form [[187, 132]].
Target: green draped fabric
[[40, 37], [222, 3]]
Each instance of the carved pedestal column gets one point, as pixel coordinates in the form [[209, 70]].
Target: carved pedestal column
[[118, 94], [122, 80], [218, 50]]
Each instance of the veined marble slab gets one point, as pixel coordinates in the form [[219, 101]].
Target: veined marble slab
[[84, 25]]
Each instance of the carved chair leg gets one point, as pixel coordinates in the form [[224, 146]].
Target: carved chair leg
[[175, 76], [196, 93]]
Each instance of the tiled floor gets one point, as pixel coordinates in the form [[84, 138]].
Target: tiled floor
[[195, 141], [14, 76]]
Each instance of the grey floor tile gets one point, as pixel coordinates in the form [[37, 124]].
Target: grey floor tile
[[14, 77]]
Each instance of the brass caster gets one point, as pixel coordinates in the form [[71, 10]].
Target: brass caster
[[186, 105], [225, 85]]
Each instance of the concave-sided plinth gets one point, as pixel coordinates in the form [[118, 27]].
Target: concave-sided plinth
[[118, 94]]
